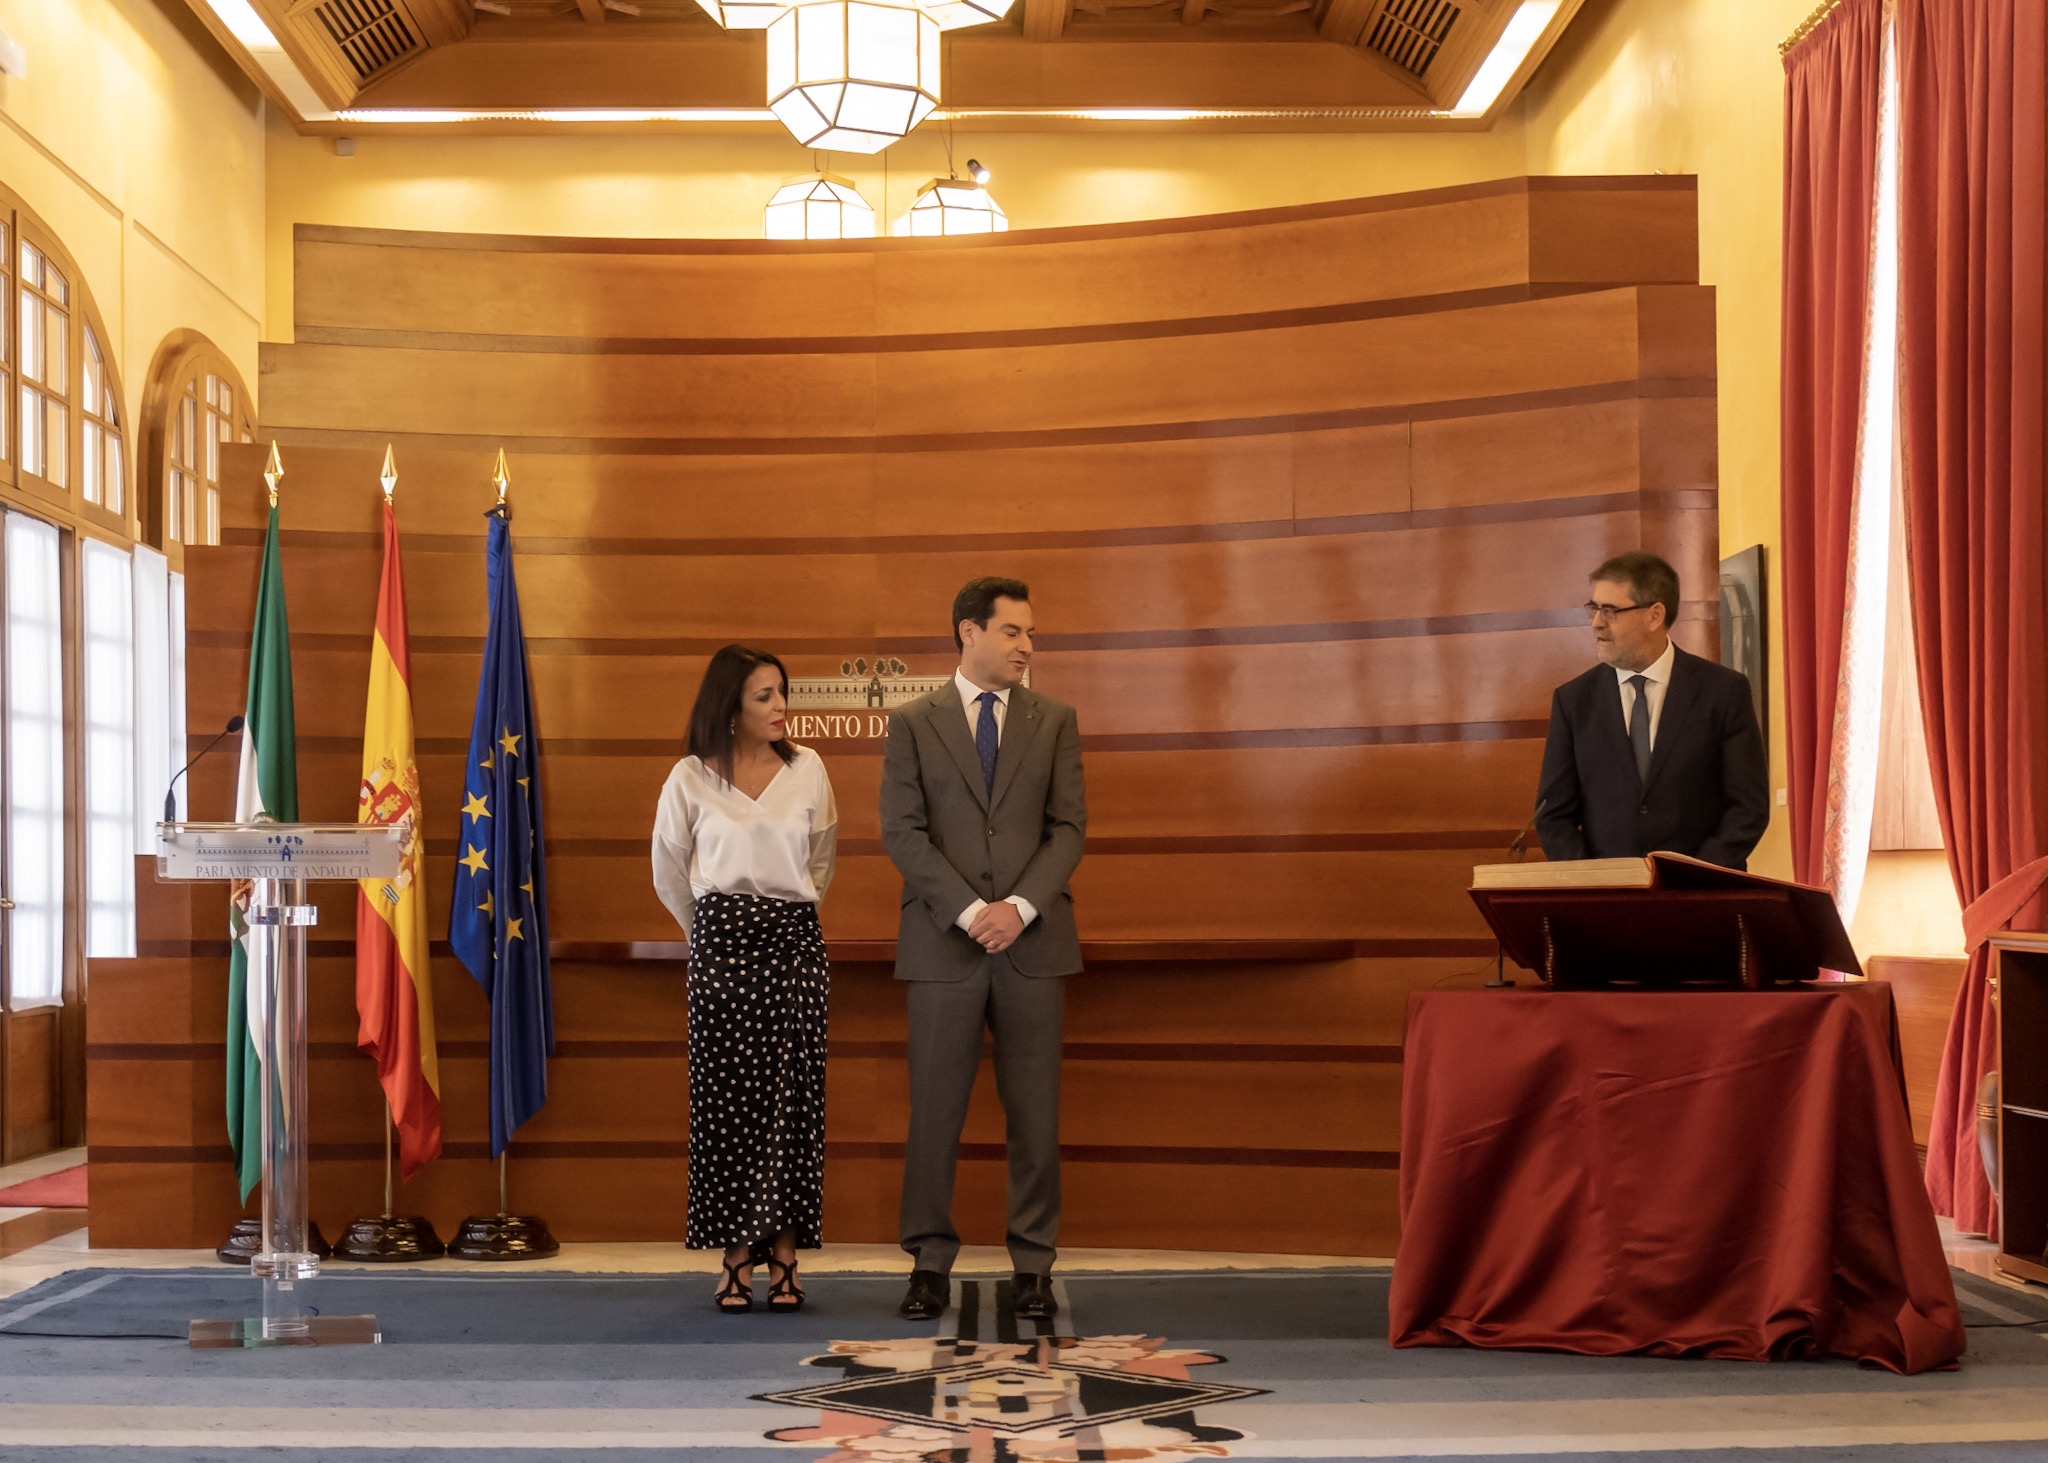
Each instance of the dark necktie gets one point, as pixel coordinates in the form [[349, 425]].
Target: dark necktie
[[1639, 727], [985, 738]]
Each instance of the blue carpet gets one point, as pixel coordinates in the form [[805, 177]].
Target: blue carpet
[[1145, 1368]]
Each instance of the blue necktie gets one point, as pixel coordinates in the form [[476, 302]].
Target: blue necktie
[[985, 738]]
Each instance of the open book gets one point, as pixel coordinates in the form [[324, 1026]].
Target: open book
[[1652, 871]]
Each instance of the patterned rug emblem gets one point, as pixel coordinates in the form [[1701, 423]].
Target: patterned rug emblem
[[953, 1400]]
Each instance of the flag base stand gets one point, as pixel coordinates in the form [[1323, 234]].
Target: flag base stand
[[245, 1241], [248, 1332], [503, 1237], [390, 1239]]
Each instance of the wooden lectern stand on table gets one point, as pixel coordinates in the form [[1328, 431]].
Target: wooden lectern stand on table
[[1664, 920]]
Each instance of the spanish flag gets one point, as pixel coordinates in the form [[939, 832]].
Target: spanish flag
[[394, 988]]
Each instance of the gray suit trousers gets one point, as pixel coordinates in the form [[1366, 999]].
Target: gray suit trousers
[[1024, 1014]]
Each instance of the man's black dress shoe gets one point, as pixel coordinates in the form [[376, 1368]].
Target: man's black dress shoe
[[928, 1296], [1032, 1297]]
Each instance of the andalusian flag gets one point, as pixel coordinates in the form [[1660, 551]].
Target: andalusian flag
[[394, 989], [268, 789]]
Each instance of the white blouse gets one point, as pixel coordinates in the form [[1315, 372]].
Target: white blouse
[[709, 837]]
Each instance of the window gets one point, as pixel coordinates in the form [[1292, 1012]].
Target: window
[[100, 456], [209, 412], [35, 762], [45, 318]]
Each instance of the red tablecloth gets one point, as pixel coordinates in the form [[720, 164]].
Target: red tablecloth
[[1711, 1173]]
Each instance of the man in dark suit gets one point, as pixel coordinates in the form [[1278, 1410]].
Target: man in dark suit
[[983, 813], [1652, 750]]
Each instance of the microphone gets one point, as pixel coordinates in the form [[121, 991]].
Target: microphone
[[1521, 844], [171, 793]]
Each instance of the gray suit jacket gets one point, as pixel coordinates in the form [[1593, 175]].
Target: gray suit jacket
[[954, 842]]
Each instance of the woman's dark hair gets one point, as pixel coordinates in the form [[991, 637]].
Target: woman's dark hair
[[977, 598], [718, 706]]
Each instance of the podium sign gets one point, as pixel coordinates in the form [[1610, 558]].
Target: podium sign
[[277, 860], [325, 851]]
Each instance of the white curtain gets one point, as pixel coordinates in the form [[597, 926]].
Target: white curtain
[[1859, 702], [153, 765], [35, 762], [108, 601]]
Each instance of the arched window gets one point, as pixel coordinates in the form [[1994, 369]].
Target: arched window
[[46, 381], [64, 447], [196, 402], [102, 459]]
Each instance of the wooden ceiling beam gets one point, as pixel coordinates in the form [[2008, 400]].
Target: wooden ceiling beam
[[1344, 21], [622, 66], [1045, 20]]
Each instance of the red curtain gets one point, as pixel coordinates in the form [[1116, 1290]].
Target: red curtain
[[1972, 118], [1832, 88]]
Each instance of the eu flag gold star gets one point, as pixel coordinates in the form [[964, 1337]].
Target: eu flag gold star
[[512, 929], [487, 906], [475, 861], [488, 762], [476, 806], [528, 888], [510, 743]]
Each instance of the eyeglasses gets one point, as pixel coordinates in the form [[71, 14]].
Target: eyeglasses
[[1596, 611]]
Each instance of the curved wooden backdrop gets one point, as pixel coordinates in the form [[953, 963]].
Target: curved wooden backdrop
[[1306, 499]]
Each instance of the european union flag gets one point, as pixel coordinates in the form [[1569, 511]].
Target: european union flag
[[499, 924]]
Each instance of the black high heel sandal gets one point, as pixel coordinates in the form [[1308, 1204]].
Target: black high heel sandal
[[734, 1296], [783, 1293]]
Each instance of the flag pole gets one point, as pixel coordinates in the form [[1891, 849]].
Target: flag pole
[[391, 1237], [504, 1235]]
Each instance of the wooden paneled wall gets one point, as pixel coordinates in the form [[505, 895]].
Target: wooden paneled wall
[[1307, 499]]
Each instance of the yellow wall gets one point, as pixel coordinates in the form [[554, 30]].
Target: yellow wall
[[147, 163]]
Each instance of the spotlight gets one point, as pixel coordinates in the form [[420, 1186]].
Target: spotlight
[[976, 171]]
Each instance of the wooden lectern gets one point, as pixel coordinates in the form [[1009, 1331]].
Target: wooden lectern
[[1665, 920]]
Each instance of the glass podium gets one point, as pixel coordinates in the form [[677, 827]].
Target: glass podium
[[277, 861]]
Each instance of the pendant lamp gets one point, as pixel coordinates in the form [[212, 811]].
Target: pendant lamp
[[953, 206], [852, 75], [819, 206]]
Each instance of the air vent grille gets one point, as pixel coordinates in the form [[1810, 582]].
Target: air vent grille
[[372, 34], [1410, 33]]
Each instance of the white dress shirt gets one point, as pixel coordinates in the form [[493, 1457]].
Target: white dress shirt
[[711, 838], [1658, 674], [970, 695]]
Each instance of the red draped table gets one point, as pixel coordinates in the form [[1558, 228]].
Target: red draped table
[[1707, 1173]]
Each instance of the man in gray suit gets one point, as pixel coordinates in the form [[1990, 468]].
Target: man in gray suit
[[983, 813]]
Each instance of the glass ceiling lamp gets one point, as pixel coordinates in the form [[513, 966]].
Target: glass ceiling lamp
[[953, 206], [743, 14], [819, 206], [953, 14], [852, 75]]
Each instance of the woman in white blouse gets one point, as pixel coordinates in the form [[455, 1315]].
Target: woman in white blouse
[[743, 850]]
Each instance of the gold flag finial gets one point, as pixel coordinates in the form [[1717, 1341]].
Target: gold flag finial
[[273, 471], [501, 477], [389, 477]]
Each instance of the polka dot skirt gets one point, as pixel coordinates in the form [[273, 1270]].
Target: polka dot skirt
[[758, 983]]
